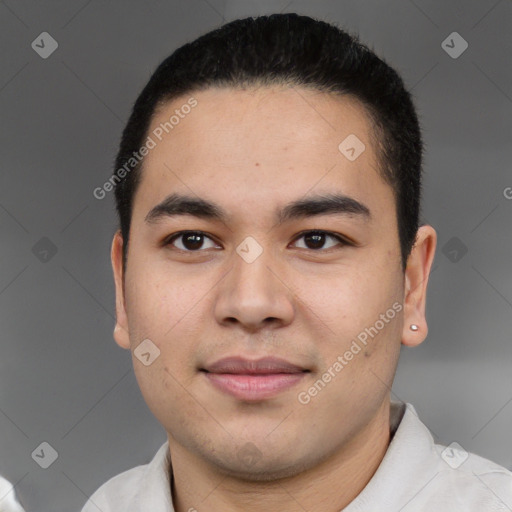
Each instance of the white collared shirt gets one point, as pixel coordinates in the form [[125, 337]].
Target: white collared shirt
[[415, 475]]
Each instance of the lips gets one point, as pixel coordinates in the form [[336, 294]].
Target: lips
[[263, 366], [253, 380]]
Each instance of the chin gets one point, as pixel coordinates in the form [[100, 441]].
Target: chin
[[262, 471], [248, 463]]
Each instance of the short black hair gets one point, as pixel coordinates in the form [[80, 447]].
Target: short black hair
[[295, 50]]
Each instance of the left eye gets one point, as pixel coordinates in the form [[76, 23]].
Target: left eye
[[194, 240], [317, 238]]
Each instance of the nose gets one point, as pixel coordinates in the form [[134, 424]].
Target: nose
[[254, 293]]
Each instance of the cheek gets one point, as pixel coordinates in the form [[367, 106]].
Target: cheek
[[160, 388], [341, 299], [159, 300], [159, 316], [360, 312]]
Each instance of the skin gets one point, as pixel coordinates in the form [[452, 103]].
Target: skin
[[252, 151]]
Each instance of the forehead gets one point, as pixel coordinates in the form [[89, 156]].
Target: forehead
[[245, 144], [263, 118]]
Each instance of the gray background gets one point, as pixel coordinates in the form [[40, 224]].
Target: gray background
[[62, 378]]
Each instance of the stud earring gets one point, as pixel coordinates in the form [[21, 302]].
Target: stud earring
[[414, 327]]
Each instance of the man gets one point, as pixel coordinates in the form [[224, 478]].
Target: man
[[268, 267]]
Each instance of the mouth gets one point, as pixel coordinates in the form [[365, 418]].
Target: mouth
[[253, 380], [254, 387]]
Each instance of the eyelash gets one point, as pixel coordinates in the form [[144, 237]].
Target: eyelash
[[343, 241]]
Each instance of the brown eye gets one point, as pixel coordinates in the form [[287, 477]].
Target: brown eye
[[191, 241], [315, 240]]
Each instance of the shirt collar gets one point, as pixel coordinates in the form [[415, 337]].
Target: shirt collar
[[408, 464], [155, 488]]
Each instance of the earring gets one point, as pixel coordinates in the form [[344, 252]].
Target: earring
[[414, 327]]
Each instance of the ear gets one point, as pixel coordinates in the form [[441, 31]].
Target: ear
[[121, 332], [415, 285]]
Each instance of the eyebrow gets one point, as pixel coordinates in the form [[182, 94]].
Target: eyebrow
[[324, 204]]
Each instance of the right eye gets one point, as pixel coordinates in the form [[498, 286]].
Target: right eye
[[191, 240]]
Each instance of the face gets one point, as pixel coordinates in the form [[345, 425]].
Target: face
[[320, 286]]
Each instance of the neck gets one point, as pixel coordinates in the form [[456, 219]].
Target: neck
[[327, 487]]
